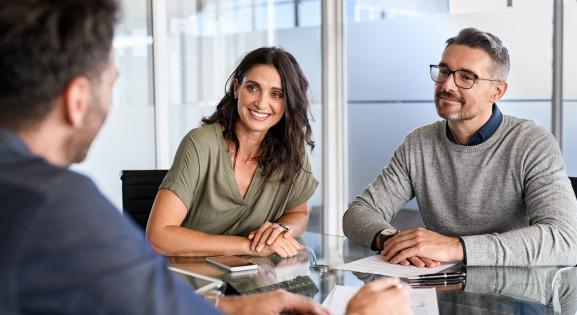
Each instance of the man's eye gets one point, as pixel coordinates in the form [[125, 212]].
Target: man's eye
[[467, 76], [444, 71]]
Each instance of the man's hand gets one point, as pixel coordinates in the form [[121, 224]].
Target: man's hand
[[383, 296], [275, 302], [422, 247]]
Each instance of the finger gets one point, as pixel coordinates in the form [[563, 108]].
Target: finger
[[398, 247], [275, 233], [250, 235], [294, 247], [404, 254], [391, 242], [405, 262], [417, 261], [264, 237], [430, 262], [287, 233], [291, 251], [383, 284], [293, 303], [281, 251], [258, 235], [295, 244]]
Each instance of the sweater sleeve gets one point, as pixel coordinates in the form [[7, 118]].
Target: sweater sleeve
[[379, 202], [551, 207]]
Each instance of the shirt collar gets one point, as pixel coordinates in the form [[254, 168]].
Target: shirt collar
[[485, 132], [11, 144]]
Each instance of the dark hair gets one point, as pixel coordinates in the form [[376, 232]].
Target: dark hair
[[44, 44], [283, 147], [487, 42]]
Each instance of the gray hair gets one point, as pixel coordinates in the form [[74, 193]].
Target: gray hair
[[489, 43]]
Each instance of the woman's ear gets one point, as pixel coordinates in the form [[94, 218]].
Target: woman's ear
[[235, 88]]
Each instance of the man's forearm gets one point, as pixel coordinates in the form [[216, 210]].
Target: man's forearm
[[536, 245]]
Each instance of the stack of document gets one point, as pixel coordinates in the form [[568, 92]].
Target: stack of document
[[376, 265], [423, 301]]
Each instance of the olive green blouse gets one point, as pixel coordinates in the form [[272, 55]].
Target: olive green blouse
[[203, 178]]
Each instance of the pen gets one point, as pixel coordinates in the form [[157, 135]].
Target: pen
[[443, 275], [436, 283]]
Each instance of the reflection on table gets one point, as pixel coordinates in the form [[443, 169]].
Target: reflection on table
[[494, 290]]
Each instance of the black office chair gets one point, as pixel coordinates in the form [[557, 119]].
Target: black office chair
[[574, 184], [139, 188]]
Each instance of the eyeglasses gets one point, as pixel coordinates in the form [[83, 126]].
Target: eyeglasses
[[462, 78]]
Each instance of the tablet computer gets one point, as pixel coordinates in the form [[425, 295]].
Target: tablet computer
[[199, 283]]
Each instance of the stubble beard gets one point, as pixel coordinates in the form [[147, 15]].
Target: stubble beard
[[460, 115], [79, 144]]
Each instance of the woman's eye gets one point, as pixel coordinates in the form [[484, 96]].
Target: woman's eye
[[277, 95], [251, 88]]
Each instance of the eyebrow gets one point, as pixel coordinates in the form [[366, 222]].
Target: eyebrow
[[256, 83], [442, 64]]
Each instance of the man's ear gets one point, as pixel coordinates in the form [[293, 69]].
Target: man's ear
[[499, 91], [76, 100]]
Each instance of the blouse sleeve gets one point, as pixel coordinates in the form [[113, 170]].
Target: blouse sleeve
[[303, 187], [183, 176]]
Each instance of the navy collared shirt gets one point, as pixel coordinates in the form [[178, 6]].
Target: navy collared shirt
[[486, 131], [65, 249]]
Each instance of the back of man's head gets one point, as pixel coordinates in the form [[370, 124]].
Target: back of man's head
[[489, 43], [44, 44]]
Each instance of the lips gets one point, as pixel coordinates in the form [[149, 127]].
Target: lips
[[258, 115]]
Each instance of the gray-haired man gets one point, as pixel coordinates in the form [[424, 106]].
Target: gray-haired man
[[491, 188]]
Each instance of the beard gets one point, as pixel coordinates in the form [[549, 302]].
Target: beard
[[79, 143], [459, 115]]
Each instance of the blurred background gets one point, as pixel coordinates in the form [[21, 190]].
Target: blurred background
[[174, 58]]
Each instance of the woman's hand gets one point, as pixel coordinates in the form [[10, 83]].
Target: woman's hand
[[267, 234], [267, 237]]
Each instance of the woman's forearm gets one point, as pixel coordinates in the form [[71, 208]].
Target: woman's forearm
[[179, 241]]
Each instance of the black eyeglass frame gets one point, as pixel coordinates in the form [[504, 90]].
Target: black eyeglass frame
[[452, 72]]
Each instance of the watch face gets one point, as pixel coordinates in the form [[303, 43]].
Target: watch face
[[388, 232]]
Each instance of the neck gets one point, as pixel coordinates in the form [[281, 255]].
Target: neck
[[46, 142], [464, 130], [250, 142]]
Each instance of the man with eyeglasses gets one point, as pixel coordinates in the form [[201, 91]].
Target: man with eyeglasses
[[491, 188]]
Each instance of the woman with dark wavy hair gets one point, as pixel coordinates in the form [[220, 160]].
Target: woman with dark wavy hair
[[239, 184]]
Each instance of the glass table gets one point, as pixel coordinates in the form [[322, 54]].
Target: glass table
[[488, 290]]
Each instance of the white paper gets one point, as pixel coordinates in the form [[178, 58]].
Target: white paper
[[423, 301], [376, 265]]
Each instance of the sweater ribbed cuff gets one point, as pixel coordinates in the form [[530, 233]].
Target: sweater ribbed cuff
[[464, 250]]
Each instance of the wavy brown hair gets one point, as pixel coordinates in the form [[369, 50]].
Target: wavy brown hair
[[283, 147]]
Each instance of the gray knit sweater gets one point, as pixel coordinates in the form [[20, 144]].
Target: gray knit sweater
[[509, 197]]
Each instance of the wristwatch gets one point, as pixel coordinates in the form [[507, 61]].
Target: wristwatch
[[385, 235]]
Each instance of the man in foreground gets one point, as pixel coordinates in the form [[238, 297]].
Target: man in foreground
[[491, 188], [65, 249]]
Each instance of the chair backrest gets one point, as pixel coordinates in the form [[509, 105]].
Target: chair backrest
[[139, 188], [574, 184]]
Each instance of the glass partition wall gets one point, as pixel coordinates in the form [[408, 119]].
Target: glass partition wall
[[390, 46], [570, 86], [127, 139]]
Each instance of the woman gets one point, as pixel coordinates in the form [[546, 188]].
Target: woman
[[239, 184]]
